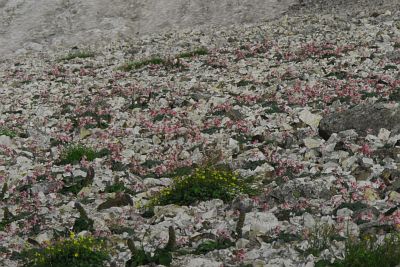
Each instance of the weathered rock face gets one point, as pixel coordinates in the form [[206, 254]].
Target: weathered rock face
[[362, 118], [35, 24]]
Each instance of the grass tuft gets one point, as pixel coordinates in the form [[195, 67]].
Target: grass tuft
[[368, 252]]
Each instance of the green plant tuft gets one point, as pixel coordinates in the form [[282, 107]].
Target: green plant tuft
[[8, 132], [321, 238], [197, 52], [211, 245], [74, 153], [115, 188], [155, 60], [340, 75], [78, 54], [204, 184], [368, 252], [139, 64], [71, 252]]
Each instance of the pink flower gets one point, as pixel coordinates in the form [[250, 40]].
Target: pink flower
[[223, 233], [366, 150], [396, 219], [239, 255]]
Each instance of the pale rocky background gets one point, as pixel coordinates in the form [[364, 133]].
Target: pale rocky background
[[27, 25]]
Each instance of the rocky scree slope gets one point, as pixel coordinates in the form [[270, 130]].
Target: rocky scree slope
[[257, 98], [40, 25]]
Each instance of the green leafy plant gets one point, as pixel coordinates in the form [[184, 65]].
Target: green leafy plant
[[116, 188], [70, 252], [8, 218], [83, 223], [74, 153], [211, 245], [204, 184]]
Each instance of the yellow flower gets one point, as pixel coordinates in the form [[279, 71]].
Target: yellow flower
[[72, 235], [76, 254]]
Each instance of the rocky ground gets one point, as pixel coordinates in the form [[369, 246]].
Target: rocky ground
[[27, 25], [308, 104]]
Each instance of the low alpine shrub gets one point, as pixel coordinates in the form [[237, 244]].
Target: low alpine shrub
[[71, 252], [204, 184]]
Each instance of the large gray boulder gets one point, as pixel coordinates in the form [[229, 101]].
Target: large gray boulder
[[363, 119]]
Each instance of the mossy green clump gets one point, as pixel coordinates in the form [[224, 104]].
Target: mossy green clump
[[118, 187], [197, 52], [115, 188], [155, 60], [395, 95], [7, 132], [71, 252], [204, 184], [75, 153], [139, 64], [271, 107], [78, 54], [340, 75], [390, 67], [244, 83]]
